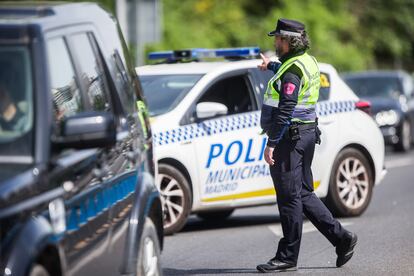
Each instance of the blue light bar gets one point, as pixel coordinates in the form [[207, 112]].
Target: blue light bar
[[205, 53], [161, 55]]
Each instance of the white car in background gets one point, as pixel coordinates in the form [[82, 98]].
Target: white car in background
[[207, 141]]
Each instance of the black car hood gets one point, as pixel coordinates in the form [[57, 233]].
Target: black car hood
[[381, 104]]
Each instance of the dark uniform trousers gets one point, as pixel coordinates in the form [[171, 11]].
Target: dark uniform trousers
[[292, 177]]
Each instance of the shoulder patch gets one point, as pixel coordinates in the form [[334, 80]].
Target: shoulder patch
[[288, 88]]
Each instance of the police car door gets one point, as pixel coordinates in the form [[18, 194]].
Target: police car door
[[230, 153], [327, 111]]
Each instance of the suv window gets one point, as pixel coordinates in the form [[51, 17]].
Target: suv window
[[92, 74], [16, 105], [123, 83], [233, 92], [65, 91]]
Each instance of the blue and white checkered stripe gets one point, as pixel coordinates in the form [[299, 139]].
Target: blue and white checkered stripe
[[207, 128], [232, 123], [329, 108]]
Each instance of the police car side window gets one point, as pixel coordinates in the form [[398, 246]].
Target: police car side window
[[92, 74], [325, 88], [234, 92], [261, 78]]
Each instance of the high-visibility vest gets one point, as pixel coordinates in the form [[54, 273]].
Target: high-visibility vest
[[309, 90]]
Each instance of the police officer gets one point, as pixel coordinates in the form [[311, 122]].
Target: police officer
[[289, 119]]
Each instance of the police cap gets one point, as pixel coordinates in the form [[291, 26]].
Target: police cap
[[287, 27]]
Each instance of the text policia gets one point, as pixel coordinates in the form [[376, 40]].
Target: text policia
[[228, 164]]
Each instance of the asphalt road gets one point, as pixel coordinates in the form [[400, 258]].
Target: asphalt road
[[250, 236]]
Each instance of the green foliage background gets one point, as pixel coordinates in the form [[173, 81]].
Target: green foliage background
[[350, 34]]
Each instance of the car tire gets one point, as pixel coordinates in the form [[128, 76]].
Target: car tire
[[215, 215], [149, 255], [350, 185], [38, 270], [176, 198], [404, 137]]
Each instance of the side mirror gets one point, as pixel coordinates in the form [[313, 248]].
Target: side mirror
[[87, 130], [206, 110]]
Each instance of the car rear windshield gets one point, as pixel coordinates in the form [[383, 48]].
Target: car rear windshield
[[389, 87], [164, 92], [16, 105]]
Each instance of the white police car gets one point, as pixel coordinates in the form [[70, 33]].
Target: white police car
[[205, 122]]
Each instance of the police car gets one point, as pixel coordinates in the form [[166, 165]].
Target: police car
[[208, 142]]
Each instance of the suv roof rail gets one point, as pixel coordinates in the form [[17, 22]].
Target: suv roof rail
[[203, 53], [21, 11]]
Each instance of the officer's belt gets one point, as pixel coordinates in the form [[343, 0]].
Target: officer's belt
[[300, 127]]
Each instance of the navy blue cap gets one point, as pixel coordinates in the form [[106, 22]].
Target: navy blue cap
[[287, 27]]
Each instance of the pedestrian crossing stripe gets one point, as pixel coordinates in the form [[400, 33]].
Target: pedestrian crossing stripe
[[236, 122], [258, 193]]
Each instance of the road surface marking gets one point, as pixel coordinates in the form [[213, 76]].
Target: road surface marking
[[307, 228]]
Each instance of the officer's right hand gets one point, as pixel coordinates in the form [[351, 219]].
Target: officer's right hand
[[265, 62], [268, 155]]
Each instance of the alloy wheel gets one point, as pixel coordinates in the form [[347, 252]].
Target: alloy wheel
[[172, 197], [352, 182]]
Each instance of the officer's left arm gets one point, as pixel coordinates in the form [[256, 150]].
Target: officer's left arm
[[290, 87]]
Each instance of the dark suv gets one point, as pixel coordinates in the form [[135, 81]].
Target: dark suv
[[391, 94], [77, 194]]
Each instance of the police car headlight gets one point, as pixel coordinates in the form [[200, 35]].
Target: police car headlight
[[389, 117]]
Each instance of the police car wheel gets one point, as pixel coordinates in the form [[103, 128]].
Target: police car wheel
[[149, 251], [404, 137], [215, 215], [351, 183], [176, 198], [38, 270]]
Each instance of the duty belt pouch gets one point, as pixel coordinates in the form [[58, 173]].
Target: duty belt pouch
[[294, 132]]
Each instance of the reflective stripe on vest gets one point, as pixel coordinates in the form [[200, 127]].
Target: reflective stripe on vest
[[310, 82]]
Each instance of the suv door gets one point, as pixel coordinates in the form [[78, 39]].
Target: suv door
[[85, 239], [120, 163], [230, 150]]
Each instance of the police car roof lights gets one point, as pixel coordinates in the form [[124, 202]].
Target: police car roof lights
[[200, 53]]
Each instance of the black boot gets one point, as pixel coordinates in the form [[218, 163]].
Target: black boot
[[345, 249], [275, 265]]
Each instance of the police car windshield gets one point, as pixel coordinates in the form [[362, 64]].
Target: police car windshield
[[376, 86], [164, 92], [16, 105]]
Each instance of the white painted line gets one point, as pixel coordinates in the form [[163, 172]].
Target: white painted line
[[277, 230], [306, 228], [404, 162]]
